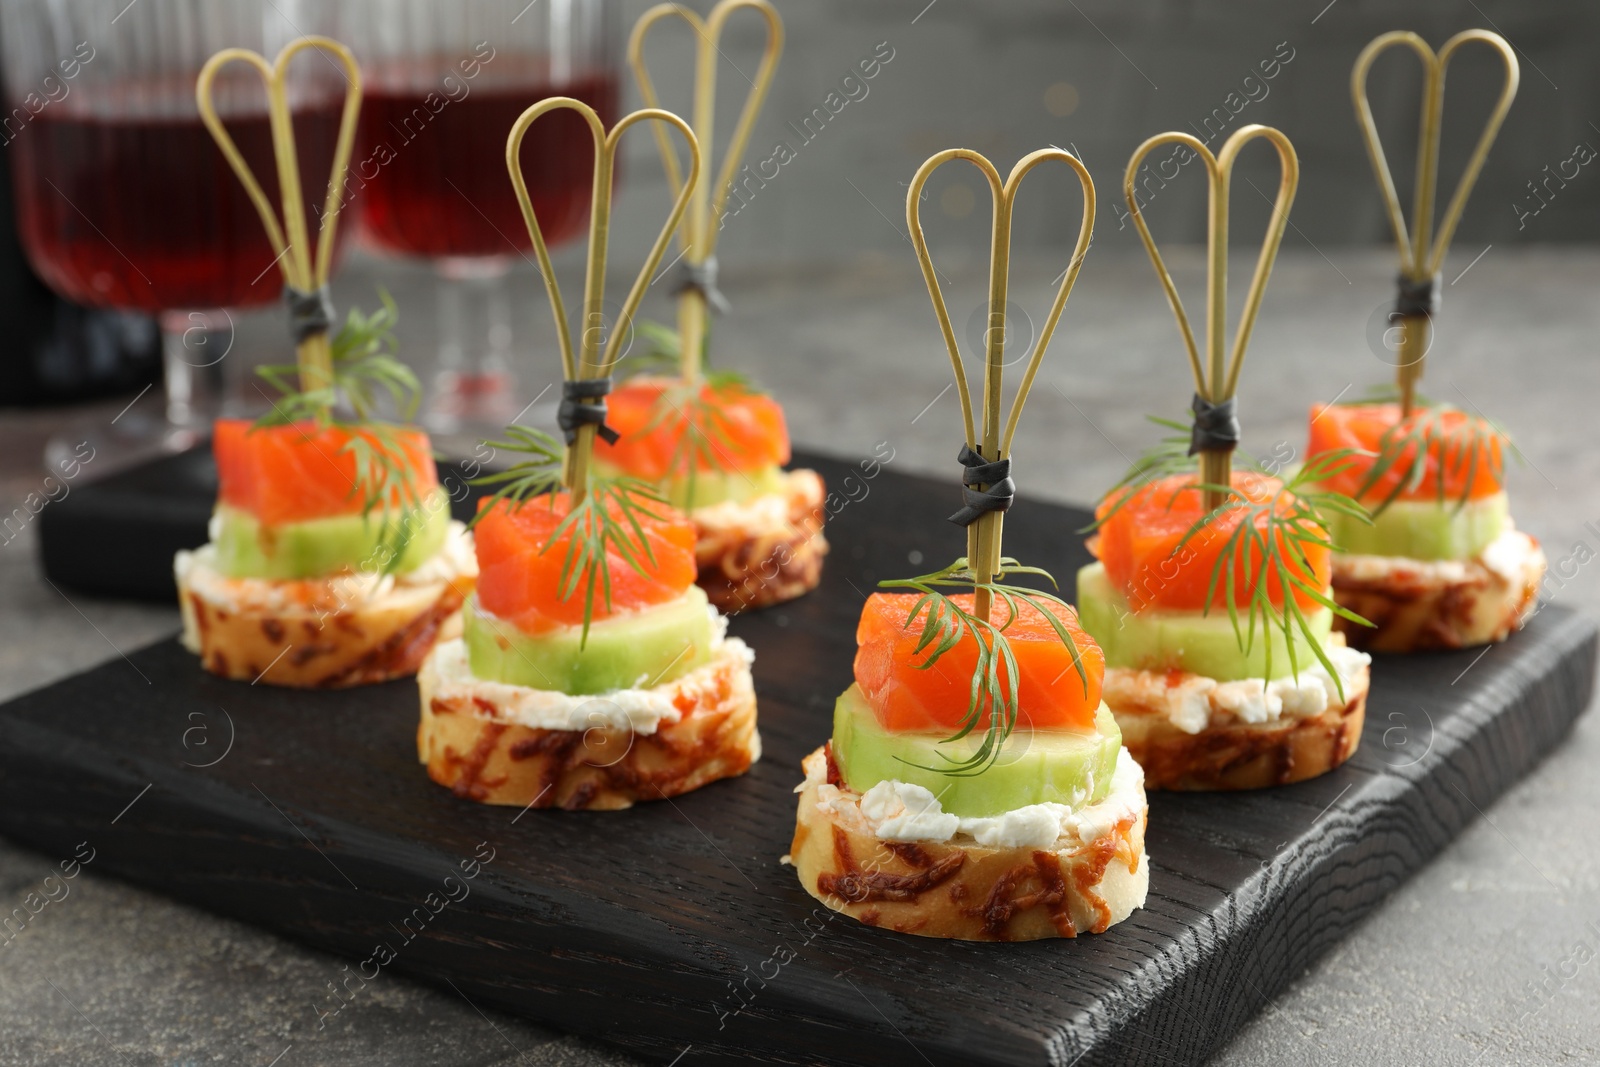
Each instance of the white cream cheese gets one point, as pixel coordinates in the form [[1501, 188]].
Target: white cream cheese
[[899, 811], [447, 674], [346, 591], [1191, 703]]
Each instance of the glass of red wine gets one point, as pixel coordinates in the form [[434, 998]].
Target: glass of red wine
[[124, 201], [445, 82]]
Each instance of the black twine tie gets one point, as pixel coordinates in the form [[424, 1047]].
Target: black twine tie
[[583, 403], [701, 278], [1216, 426], [310, 313], [1416, 299], [979, 471]]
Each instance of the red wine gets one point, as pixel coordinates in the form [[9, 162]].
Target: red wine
[[145, 213], [434, 179]]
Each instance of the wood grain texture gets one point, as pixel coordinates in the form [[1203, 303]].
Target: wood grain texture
[[651, 927]]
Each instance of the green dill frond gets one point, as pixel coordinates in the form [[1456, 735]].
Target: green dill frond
[[365, 369], [706, 442], [1267, 549], [539, 474], [608, 521], [662, 350], [1407, 447], [944, 626]]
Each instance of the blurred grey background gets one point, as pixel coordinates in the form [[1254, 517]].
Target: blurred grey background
[[1099, 76]]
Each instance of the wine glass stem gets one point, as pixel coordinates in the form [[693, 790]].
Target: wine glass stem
[[474, 384], [193, 345]]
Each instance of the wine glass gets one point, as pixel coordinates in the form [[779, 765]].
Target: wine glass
[[445, 81], [123, 199]]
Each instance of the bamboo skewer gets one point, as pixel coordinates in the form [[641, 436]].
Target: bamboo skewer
[[1217, 378], [993, 443], [300, 271], [592, 359], [1420, 262], [698, 235]]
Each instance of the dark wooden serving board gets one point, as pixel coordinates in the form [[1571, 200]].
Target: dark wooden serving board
[[651, 927]]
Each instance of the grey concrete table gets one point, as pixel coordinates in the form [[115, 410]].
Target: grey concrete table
[[1484, 957]]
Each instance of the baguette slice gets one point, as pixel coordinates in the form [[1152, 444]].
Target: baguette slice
[[322, 633], [1419, 606], [960, 889], [757, 554], [472, 744]]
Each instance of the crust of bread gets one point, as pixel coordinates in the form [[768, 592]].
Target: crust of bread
[[470, 748], [328, 646], [1240, 755], [1415, 611], [741, 568], [964, 891]]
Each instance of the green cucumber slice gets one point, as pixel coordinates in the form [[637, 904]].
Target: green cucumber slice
[[1187, 640], [642, 649], [712, 487], [317, 547], [1070, 767], [1424, 529]]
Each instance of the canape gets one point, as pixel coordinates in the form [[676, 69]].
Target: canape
[[1211, 597], [592, 672], [316, 575], [903, 824], [975, 785], [709, 440], [1441, 564], [1222, 665], [716, 449], [562, 694], [333, 559]]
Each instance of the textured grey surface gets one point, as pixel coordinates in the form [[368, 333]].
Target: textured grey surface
[[1443, 973]]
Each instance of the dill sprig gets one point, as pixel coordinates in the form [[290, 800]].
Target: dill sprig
[[608, 519], [1266, 548], [1423, 437], [946, 624], [662, 352], [365, 369], [706, 443], [365, 372]]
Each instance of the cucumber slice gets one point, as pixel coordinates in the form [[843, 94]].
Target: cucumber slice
[[1187, 640], [642, 649], [1036, 766], [1424, 529], [317, 547], [712, 487]]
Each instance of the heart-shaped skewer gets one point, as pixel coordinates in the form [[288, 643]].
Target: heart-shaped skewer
[[1217, 378], [305, 277], [991, 442], [591, 360], [699, 232], [1419, 260]]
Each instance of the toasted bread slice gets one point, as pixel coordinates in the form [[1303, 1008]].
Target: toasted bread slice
[[613, 749], [321, 633], [1419, 605], [765, 551], [959, 888], [1228, 752]]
